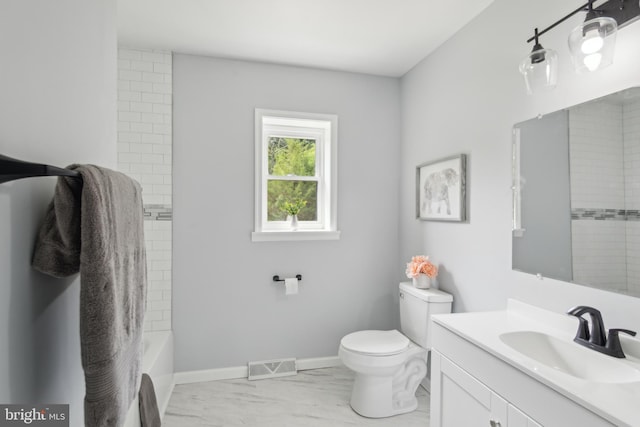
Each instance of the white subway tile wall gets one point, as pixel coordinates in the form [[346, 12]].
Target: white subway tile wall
[[605, 195], [633, 257], [631, 117], [597, 183], [598, 254], [596, 156], [631, 120], [144, 153]]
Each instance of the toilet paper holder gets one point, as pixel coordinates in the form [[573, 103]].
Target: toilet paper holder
[[277, 278]]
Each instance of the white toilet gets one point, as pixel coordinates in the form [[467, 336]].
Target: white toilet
[[389, 366]]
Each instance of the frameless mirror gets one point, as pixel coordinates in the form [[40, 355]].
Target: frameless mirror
[[576, 194]]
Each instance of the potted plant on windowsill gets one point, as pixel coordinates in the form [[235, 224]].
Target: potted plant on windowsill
[[292, 208]]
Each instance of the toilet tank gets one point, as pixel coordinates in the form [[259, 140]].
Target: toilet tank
[[416, 307]]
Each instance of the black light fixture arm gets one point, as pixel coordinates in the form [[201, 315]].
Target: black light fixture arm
[[582, 8], [536, 34], [623, 11]]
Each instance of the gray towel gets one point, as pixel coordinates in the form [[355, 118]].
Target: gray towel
[[95, 226], [149, 413]]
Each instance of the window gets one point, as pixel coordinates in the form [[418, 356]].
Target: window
[[295, 163]]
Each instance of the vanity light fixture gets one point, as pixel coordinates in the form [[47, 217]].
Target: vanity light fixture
[[592, 44], [540, 67]]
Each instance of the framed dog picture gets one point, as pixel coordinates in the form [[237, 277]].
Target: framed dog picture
[[441, 190]]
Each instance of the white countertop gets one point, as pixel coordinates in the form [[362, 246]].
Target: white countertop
[[619, 403]]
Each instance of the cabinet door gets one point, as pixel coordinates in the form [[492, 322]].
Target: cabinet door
[[518, 419], [458, 399]]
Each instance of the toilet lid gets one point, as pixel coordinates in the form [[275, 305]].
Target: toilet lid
[[376, 343]]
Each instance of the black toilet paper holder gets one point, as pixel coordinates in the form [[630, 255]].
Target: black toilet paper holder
[[277, 278]]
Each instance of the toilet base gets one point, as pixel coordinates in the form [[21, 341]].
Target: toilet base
[[385, 396]]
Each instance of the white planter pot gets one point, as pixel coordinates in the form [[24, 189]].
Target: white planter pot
[[422, 281]]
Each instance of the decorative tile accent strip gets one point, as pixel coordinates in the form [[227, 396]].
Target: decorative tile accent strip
[[633, 215], [604, 214], [158, 213]]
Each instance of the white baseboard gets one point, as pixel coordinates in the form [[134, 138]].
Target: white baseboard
[[236, 372], [205, 375], [318, 363]]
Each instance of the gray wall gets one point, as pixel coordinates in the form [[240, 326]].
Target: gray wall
[[226, 309], [58, 86], [463, 98], [545, 246]]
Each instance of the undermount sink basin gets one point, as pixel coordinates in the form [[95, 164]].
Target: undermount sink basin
[[570, 358]]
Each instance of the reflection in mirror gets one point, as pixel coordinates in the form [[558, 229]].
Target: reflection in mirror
[[576, 194]]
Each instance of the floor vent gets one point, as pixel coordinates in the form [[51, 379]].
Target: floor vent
[[272, 369]]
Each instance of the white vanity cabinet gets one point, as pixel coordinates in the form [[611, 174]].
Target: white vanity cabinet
[[458, 399], [472, 387], [518, 419]]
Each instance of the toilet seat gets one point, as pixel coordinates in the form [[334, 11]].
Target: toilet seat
[[376, 343]]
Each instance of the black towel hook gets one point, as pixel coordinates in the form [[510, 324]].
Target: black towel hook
[[11, 169]]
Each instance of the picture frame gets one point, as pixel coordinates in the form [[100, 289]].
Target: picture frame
[[441, 189]]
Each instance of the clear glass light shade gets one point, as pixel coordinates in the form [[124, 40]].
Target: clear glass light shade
[[593, 43], [540, 70]]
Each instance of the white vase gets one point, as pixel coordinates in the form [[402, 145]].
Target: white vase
[[294, 222], [422, 281]]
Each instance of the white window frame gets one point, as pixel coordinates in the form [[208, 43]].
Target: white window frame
[[323, 128]]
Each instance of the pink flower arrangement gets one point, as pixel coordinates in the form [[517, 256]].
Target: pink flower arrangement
[[420, 264]]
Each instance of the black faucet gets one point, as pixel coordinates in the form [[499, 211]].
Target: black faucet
[[596, 339], [596, 336]]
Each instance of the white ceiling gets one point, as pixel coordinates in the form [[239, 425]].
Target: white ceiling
[[382, 37]]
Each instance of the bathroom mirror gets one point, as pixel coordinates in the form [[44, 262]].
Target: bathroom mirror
[[576, 194]]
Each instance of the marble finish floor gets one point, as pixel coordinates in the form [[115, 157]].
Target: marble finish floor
[[314, 398]]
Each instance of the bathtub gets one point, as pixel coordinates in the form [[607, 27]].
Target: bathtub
[[157, 361]]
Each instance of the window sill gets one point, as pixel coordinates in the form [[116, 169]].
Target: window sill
[[283, 236]]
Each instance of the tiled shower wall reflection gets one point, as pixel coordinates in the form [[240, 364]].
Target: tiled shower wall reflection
[[631, 120], [144, 153], [605, 156]]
